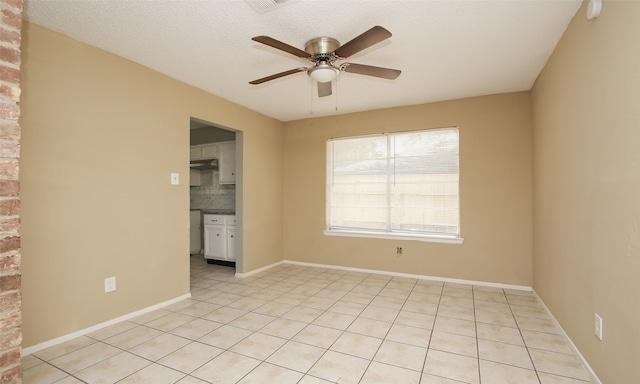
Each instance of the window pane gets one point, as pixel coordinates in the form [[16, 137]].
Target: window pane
[[405, 182], [429, 203], [358, 191], [425, 187]]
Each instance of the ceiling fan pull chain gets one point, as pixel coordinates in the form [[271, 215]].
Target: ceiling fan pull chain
[[311, 101], [336, 95]]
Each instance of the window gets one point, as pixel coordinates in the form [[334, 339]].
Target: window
[[396, 185]]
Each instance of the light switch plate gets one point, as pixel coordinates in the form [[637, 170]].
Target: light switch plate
[[109, 284], [175, 179], [598, 326]]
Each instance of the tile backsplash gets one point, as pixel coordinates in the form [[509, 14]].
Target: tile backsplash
[[212, 195]]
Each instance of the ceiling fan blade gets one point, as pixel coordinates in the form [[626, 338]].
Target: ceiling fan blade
[[278, 75], [364, 41], [369, 70], [324, 89], [266, 40]]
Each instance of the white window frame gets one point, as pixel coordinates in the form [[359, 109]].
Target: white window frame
[[388, 233]]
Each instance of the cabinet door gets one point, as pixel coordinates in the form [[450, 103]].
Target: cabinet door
[[210, 151], [231, 243], [215, 242], [195, 152], [227, 162]]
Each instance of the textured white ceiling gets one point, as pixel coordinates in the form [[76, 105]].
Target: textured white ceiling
[[445, 49]]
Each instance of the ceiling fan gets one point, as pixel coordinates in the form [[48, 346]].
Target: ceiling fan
[[324, 52]]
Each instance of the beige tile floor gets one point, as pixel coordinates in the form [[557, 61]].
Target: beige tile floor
[[304, 325]]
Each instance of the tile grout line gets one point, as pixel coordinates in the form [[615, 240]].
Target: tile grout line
[[387, 333], [433, 326], [475, 325], [535, 369]]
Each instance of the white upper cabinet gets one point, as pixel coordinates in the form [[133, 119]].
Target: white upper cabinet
[[203, 151], [227, 162], [210, 151], [195, 152]]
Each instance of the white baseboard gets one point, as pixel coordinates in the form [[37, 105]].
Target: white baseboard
[[573, 346], [238, 274], [421, 277], [50, 343]]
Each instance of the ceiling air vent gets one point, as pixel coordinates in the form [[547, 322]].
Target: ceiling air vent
[[262, 6]]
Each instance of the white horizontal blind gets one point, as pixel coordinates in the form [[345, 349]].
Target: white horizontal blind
[[395, 183]]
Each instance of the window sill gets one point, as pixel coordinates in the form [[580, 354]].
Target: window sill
[[395, 236]]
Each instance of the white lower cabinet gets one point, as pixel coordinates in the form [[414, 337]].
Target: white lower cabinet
[[214, 242], [231, 243], [219, 237]]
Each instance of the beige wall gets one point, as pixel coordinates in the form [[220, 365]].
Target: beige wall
[[495, 189], [586, 114], [100, 137]]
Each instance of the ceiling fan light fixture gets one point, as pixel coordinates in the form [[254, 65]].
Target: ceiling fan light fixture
[[323, 73]]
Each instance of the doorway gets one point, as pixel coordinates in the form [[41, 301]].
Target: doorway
[[215, 193]]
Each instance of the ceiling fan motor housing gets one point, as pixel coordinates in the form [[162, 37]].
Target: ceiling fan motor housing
[[321, 46]]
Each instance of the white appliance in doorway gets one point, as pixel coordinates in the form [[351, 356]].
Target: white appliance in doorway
[[195, 232]]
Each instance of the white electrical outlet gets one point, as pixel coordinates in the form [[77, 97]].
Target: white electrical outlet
[[109, 284], [598, 326]]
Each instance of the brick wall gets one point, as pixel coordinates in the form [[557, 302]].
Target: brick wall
[[10, 277]]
